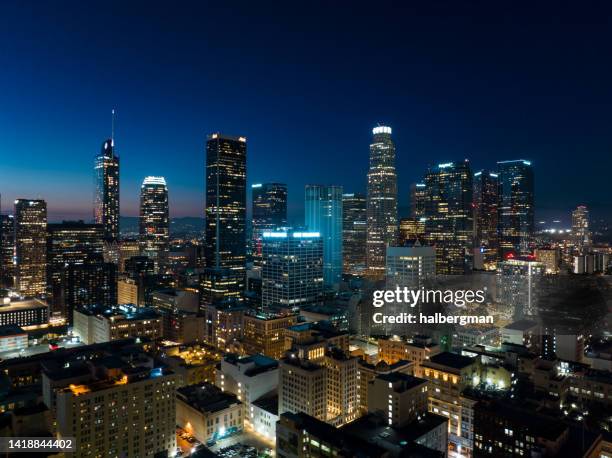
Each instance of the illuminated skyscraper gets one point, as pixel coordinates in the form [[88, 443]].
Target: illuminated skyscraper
[[292, 272], [269, 210], [7, 250], [516, 206], [154, 220], [226, 204], [411, 229], [449, 221], [106, 199], [382, 200], [418, 197], [485, 215], [71, 243], [323, 214], [31, 246], [354, 231], [580, 228]]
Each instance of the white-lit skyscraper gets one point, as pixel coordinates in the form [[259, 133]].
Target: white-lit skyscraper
[[323, 214], [154, 220], [382, 200]]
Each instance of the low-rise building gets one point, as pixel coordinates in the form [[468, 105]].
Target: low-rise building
[[208, 413], [12, 338], [96, 324]]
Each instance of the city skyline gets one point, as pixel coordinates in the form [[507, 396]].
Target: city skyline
[[60, 131]]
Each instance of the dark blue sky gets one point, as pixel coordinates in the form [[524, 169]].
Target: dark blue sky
[[305, 82]]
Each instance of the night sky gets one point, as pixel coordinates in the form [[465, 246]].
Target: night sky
[[305, 82]]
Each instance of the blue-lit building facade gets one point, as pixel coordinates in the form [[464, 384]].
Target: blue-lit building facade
[[516, 206], [323, 214]]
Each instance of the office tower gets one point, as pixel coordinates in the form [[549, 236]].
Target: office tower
[[410, 266], [485, 216], [7, 250], [449, 221], [86, 284], [516, 206], [106, 200], [292, 272], [382, 200], [128, 248], [31, 246], [411, 229], [264, 332], [154, 220], [580, 228], [354, 232], [226, 205], [122, 411], [70, 243], [418, 197], [518, 286], [269, 211], [323, 214]]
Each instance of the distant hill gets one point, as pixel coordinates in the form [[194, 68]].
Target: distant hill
[[185, 225]]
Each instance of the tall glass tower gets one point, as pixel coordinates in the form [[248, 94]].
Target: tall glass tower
[[382, 200], [485, 216], [354, 231], [154, 220], [106, 199], [31, 246], [226, 204], [449, 213], [516, 206], [323, 214], [269, 210]]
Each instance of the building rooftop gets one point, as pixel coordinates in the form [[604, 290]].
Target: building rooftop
[[122, 311], [268, 403], [350, 445], [402, 382], [521, 325], [452, 360], [253, 365], [11, 330], [540, 425], [22, 305], [377, 431], [206, 397]]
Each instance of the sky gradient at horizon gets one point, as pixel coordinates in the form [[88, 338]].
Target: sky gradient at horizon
[[305, 83]]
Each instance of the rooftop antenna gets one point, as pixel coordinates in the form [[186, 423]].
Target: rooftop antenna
[[113, 127]]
